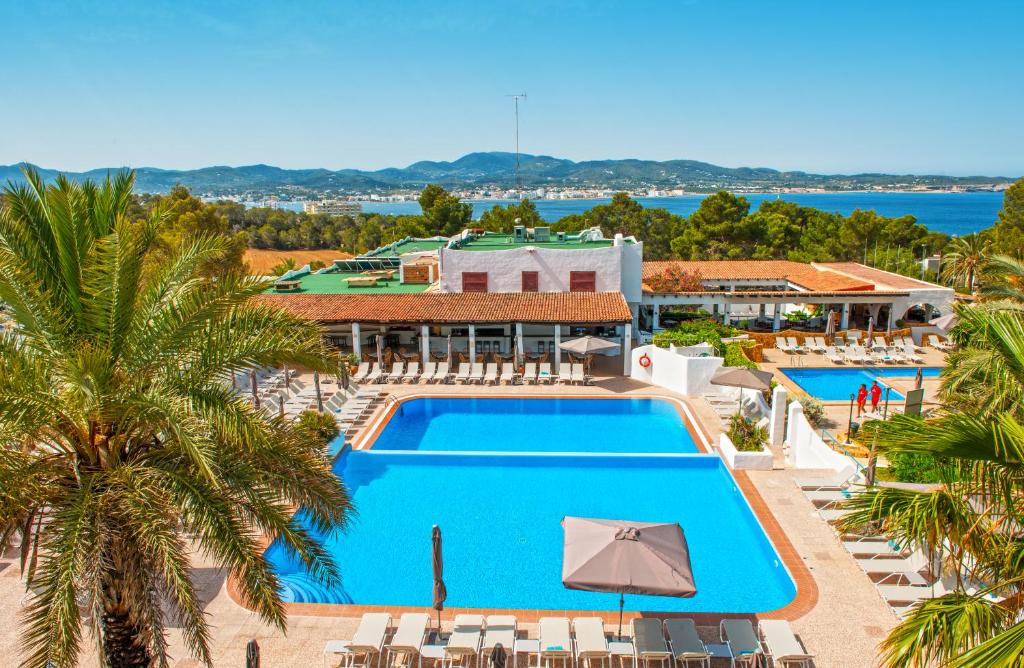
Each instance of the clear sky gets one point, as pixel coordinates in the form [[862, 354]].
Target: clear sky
[[819, 85]]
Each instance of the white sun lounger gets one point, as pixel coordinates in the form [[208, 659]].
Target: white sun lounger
[[491, 376], [686, 644], [824, 498], [564, 373], [555, 641], [783, 345], [833, 355], [500, 630], [443, 373], [530, 373], [832, 515], [884, 565], [508, 373], [577, 374], [841, 479], [476, 375], [544, 373], [781, 644], [376, 373], [397, 371], [793, 345], [911, 593], [873, 548], [408, 640], [816, 344], [366, 645], [911, 354], [362, 372], [463, 375], [429, 370], [464, 642], [739, 635], [591, 644], [412, 373]]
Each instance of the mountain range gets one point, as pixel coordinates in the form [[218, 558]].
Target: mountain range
[[496, 170]]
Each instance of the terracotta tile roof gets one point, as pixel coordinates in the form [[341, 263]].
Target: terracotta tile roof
[[458, 307], [798, 273], [883, 279]]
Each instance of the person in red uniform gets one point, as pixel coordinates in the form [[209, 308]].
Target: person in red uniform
[[862, 397], [876, 396]]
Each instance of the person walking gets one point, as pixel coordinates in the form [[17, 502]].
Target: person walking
[[876, 396], [862, 397]]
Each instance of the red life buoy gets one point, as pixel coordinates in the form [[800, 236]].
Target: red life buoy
[[645, 360]]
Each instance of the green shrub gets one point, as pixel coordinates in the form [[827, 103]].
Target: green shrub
[[798, 316], [745, 435], [734, 355], [814, 410], [319, 426], [910, 467], [694, 332]]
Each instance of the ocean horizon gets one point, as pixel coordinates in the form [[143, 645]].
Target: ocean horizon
[[946, 212]]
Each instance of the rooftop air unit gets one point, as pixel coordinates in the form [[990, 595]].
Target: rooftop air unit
[[519, 234], [561, 237], [542, 235]]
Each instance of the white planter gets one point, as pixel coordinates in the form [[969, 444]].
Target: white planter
[[749, 461]]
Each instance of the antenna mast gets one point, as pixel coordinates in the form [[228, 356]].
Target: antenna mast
[[516, 98]]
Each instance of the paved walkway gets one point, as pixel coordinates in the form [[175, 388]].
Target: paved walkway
[[842, 629]]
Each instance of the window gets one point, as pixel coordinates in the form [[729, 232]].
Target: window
[[474, 281], [531, 281], [582, 281]]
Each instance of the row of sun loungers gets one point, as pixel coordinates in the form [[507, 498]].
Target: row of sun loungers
[[439, 372], [581, 642], [899, 348]]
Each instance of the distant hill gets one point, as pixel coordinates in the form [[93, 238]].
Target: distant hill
[[496, 170]]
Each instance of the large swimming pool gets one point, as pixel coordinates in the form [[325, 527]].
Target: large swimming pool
[[537, 425], [501, 512], [837, 384]]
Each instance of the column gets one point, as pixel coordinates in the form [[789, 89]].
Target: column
[[472, 344], [777, 321], [627, 350], [656, 319], [519, 337], [844, 317], [761, 310], [558, 348], [892, 317], [725, 313], [424, 344], [357, 342]]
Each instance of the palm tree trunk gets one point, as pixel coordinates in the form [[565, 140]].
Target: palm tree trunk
[[122, 642]]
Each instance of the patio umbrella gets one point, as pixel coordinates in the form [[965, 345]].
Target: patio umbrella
[[626, 558], [586, 345], [342, 372], [737, 376], [287, 378], [319, 396], [380, 351], [871, 331], [254, 388], [451, 359], [440, 592], [252, 654], [945, 322], [517, 361], [830, 325], [918, 379]]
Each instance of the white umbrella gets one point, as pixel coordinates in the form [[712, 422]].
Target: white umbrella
[[945, 322], [517, 361], [587, 345], [451, 359]]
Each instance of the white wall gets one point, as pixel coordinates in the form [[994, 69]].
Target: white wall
[[806, 450], [632, 272], [668, 369], [504, 268]]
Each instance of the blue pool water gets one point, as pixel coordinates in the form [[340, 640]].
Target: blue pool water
[[501, 514], [537, 425], [838, 384]]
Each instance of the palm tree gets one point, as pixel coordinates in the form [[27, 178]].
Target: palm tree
[[984, 375], [119, 435], [1004, 279], [965, 258]]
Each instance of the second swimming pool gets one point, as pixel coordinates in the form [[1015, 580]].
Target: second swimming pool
[[837, 384]]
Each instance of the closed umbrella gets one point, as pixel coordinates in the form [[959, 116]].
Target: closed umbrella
[[626, 557], [343, 379], [252, 654], [380, 351], [517, 360], [254, 388], [287, 378], [871, 332], [451, 359], [830, 325], [918, 379], [737, 376], [440, 592]]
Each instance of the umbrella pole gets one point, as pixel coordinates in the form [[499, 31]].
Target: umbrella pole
[[622, 602]]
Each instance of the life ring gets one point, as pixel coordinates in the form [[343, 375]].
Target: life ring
[[645, 360]]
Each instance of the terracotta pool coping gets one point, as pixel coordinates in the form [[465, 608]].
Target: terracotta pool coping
[[806, 589]]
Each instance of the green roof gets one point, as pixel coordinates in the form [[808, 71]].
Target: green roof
[[406, 247], [494, 242], [334, 284]]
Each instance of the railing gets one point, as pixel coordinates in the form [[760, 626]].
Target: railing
[[826, 437]]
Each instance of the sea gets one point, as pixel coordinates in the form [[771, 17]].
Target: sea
[[946, 212]]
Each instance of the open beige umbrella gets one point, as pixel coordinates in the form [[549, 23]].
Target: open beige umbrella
[[586, 345], [626, 557], [737, 376]]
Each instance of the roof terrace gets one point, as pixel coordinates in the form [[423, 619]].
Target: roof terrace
[[495, 241], [348, 283]]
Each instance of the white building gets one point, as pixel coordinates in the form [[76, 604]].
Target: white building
[[333, 207]]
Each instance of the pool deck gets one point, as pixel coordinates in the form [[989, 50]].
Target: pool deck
[[841, 624]]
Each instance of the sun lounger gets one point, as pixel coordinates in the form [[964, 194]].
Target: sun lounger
[[477, 373], [873, 548], [564, 373], [443, 373], [407, 642], [376, 373], [412, 373], [828, 498], [686, 645], [832, 515], [884, 564], [855, 355], [816, 344], [591, 644], [650, 643], [577, 374], [833, 355], [463, 375], [911, 354], [939, 344], [500, 630], [839, 480], [366, 645], [530, 373], [464, 642], [793, 345], [362, 372], [781, 645], [783, 345], [544, 373], [739, 635], [911, 593], [397, 371], [491, 376], [429, 369], [508, 373], [555, 641]]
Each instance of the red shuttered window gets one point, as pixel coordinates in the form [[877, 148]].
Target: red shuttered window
[[474, 281], [531, 281], [582, 281]]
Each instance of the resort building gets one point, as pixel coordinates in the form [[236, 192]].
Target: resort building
[[333, 207]]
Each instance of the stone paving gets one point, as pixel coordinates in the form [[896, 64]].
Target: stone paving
[[843, 626]]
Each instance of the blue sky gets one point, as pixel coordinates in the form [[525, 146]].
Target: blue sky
[[814, 85]]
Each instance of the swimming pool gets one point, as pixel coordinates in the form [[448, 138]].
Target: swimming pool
[[837, 384], [537, 425], [501, 514]]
